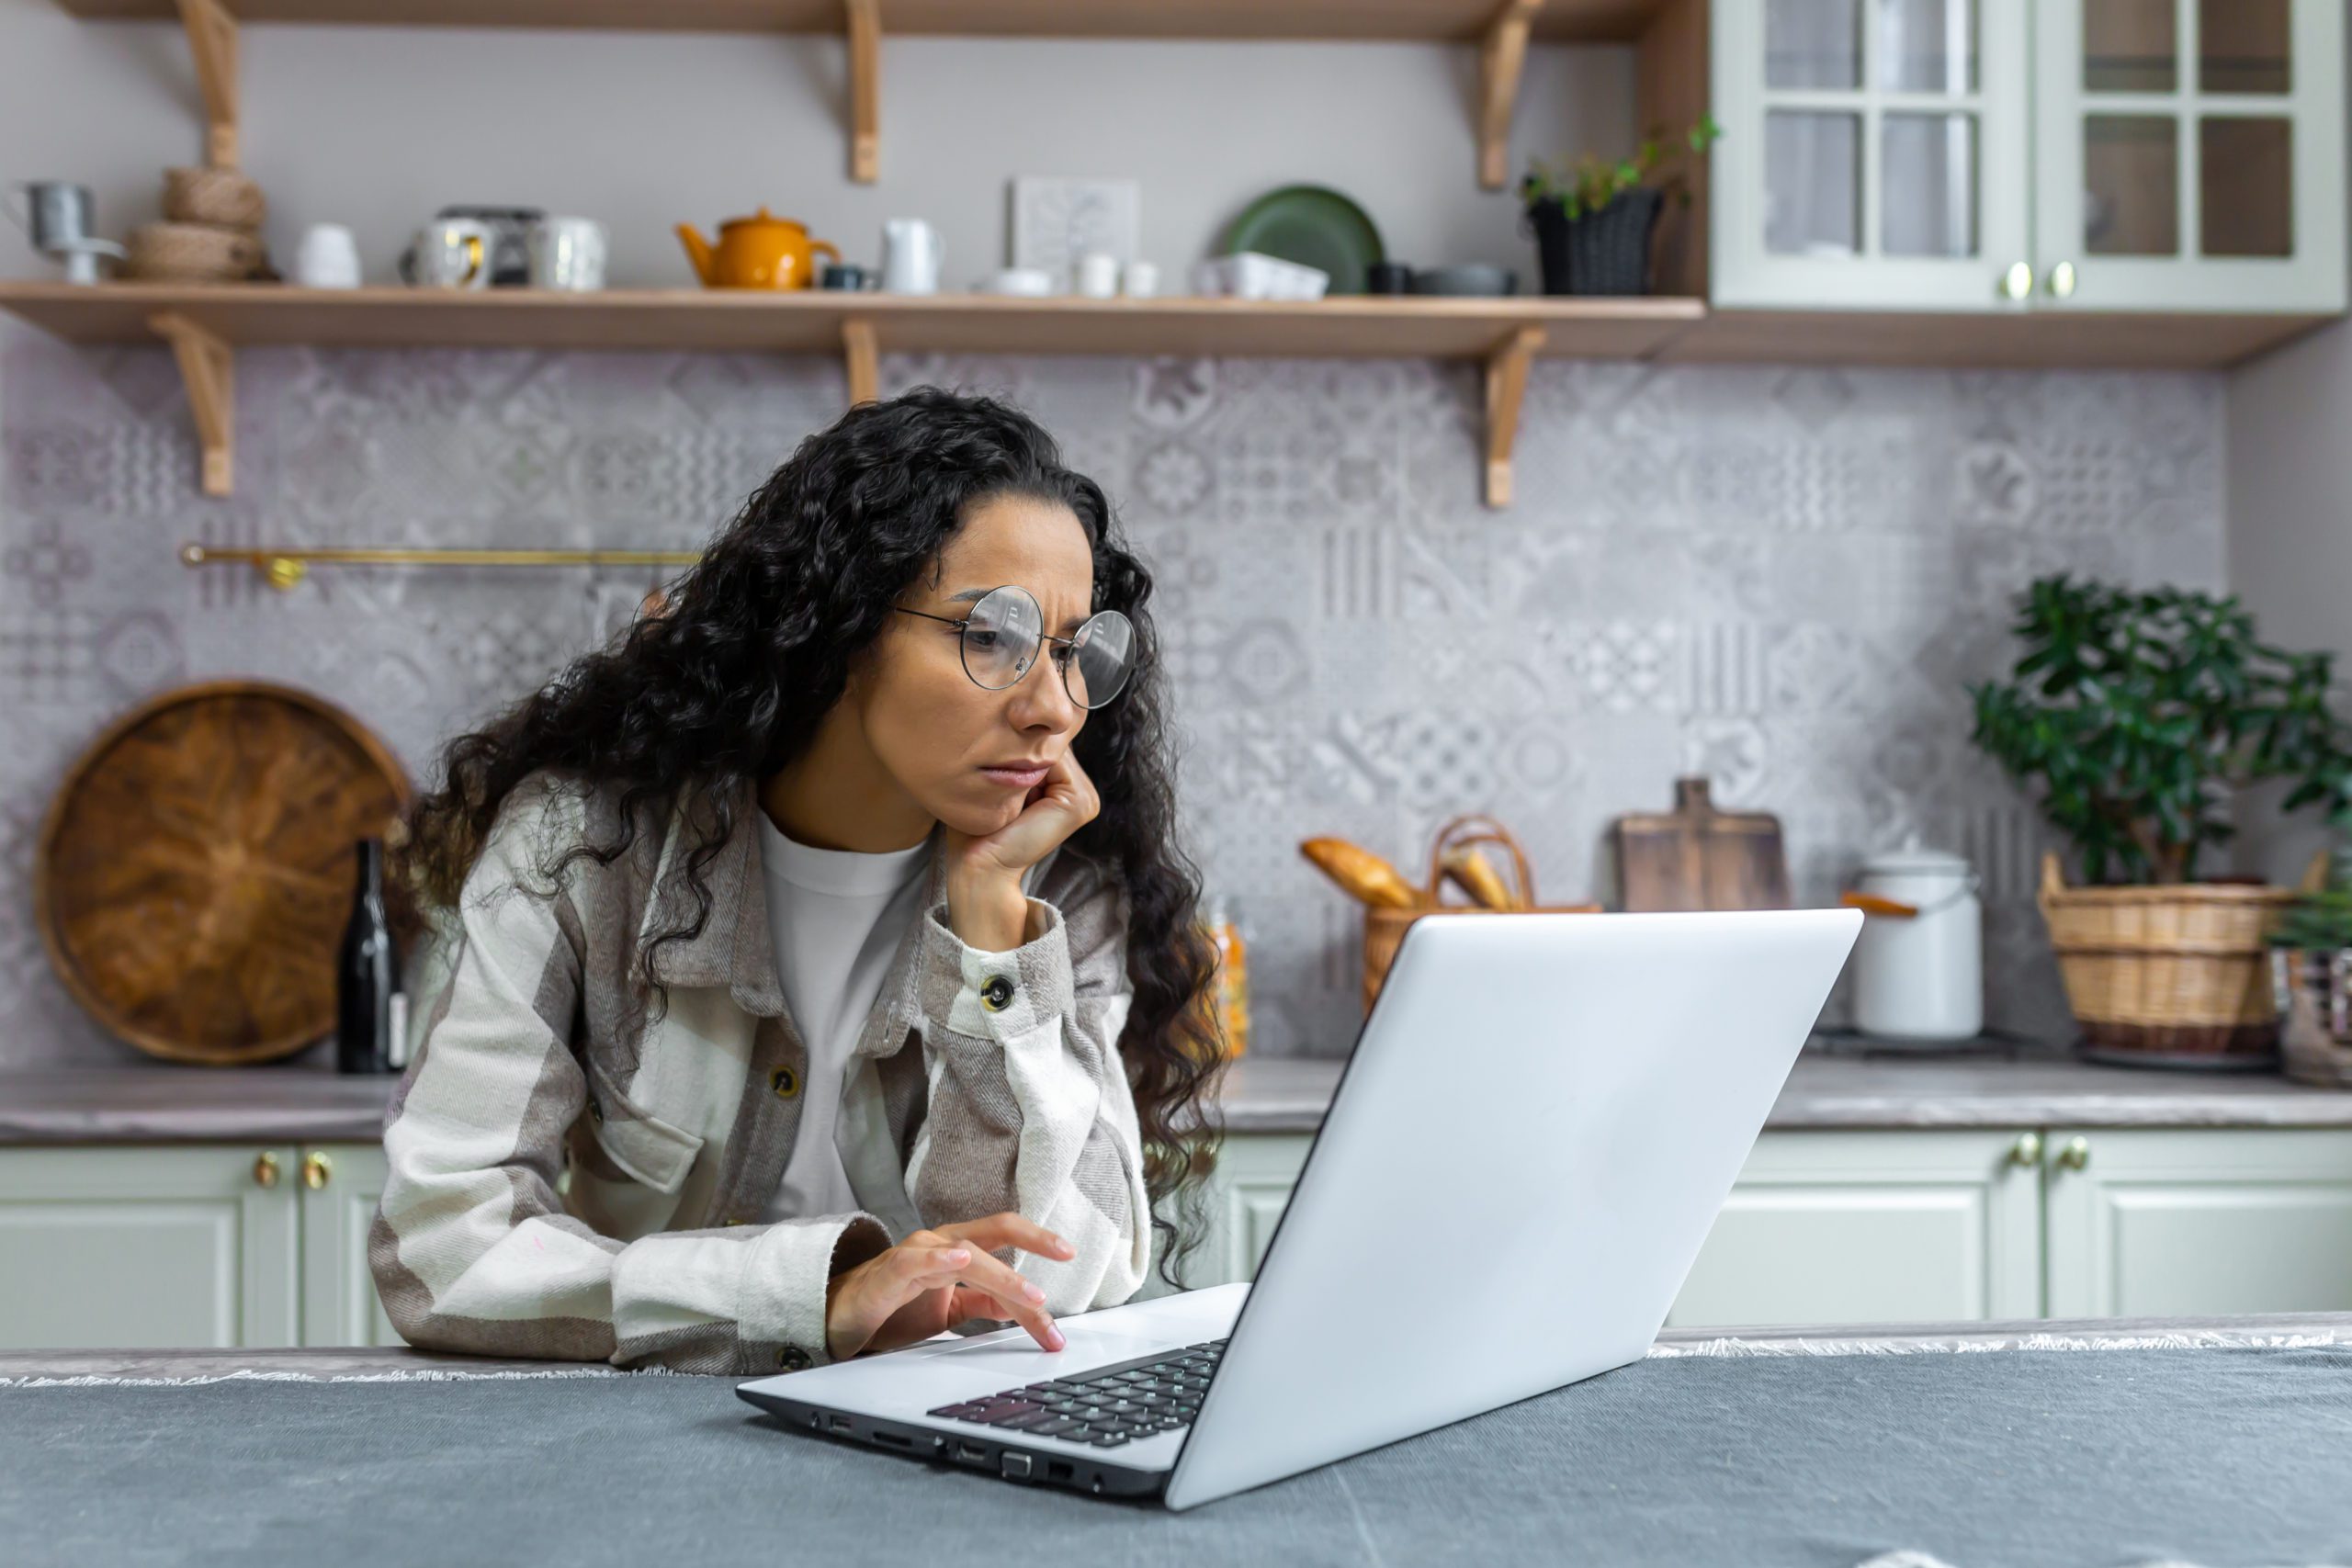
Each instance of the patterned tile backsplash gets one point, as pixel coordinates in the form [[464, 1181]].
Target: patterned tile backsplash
[[1779, 578]]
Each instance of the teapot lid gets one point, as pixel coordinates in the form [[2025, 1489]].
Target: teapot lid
[[1914, 858], [761, 216]]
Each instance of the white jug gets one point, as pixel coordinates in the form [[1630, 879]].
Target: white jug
[[1921, 975], [911, 256]]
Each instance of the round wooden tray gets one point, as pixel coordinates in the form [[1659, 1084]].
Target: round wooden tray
[[196, 868]]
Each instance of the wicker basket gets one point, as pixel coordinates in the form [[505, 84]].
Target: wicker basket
[[1383, 928], [222, 197], [2172, 973]]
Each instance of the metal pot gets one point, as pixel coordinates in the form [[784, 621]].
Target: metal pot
[[1919, 962]]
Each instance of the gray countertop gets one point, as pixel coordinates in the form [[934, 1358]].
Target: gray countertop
[[292, 1104]]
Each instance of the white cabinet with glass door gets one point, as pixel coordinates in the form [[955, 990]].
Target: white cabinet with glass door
[[2013, 155], [1874, 154], [2190, 153]]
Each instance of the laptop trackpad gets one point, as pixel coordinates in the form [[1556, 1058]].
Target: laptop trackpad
[[1026, 1360]]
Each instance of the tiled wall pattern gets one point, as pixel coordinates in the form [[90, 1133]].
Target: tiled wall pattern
[[1779, 578]]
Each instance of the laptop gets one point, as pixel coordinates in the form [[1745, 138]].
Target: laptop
[[1540, 1121]]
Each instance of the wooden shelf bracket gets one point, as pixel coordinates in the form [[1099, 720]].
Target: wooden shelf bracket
[[864, 90], [858, 353], [1501, 58], [1506, 368], [213, 39], [208, 370]]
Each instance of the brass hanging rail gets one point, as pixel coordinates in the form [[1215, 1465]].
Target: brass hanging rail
[[283, 568]]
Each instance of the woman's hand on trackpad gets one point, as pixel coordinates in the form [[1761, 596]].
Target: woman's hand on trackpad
[[935, 1279]]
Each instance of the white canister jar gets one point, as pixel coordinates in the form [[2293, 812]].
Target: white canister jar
[[1921, 977]]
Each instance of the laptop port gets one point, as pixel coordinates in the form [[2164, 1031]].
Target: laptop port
[[841, 1423], [1016, 1467], [895, 1440], [971, 1453], [1059, 1470]]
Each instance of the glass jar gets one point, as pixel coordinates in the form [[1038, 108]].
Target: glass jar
[[1229, 992]]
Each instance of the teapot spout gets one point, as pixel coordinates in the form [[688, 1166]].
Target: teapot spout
[[698, 250]]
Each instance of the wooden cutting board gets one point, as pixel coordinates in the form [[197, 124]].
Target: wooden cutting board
[[1695, 857], [197, 864]]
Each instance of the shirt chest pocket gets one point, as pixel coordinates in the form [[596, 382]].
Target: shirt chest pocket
[[657, 1153]]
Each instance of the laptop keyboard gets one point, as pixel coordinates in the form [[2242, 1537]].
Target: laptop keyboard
[[1107, 1406]]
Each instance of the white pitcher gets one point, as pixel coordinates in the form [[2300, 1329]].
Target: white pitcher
[[911, 256], [1920, 976]]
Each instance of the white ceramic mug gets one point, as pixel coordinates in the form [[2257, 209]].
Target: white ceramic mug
[[911, 256], [1096, 274], [568, 254], [1141, 280], [1031, 281], [327, 256], [450, 253]]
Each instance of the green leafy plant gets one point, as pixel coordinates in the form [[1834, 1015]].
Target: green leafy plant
[[1589, 183], [2320, 920], [2141, 712]]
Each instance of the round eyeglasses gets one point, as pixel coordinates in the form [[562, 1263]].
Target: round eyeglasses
[[1005, 629]]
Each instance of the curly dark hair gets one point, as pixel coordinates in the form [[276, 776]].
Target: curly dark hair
[[754, 646]]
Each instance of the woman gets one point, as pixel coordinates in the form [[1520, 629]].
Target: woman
[[846, 1029]]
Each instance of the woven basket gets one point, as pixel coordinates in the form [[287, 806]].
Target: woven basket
[[1383, 928], [2178, 971], [192, 252], [224, 198]]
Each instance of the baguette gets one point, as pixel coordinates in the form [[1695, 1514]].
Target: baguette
[[1467, 869], [1363, 875]]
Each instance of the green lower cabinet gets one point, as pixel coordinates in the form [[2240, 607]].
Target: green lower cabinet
[[2150, 1223], [148, 1246], [1870, 1226], [339, 1305], [1934, 1226], [152, 1246]]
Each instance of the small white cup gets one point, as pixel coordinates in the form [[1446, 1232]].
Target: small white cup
[[1097, 275], [327, 256], [1141, 280], [568, 254]]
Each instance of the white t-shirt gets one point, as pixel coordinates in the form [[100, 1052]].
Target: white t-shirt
[[836, 917]]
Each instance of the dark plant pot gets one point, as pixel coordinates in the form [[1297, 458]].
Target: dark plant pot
[[1607, 252]]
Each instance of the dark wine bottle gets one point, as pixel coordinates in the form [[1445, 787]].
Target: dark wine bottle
[[368, 976]]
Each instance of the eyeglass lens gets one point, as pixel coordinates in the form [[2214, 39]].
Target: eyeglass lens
[[1001, 640]]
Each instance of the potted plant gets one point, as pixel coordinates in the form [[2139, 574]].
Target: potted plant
[[1593, 216], [2140, 713], [2311, 952]]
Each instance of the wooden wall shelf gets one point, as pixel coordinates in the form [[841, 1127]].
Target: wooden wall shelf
[[1500, 28], [205, 324]]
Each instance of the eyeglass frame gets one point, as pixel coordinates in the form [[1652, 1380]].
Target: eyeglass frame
[[1044, 636]]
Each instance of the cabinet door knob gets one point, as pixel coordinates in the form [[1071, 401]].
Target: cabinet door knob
[[266, 1169], [316, 1169], [2018, 282], [2027, 1150], [2076, 1154], [2062, 280]]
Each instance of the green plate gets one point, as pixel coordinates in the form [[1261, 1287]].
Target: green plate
[[1314, 225]]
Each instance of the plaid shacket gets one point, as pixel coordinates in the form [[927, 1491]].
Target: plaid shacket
[[534, 1051]]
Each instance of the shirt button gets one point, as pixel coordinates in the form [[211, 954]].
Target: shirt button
[[786, 1082], [791, 1357], [996, 993]]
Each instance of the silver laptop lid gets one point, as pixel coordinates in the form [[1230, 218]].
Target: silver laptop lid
[[1539, 1124]]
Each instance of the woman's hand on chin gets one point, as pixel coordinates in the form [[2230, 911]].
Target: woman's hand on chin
[[934, 1280], [1060, 805]]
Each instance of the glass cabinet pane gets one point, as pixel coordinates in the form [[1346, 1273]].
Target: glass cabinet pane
[[2132, 180], [1927, 169], [2130, 46], [2247, 205], [1927, 45], [2242, 46], [1812, 183], [1813, 43]]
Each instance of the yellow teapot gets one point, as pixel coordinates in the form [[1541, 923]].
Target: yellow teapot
[[759, 252]]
